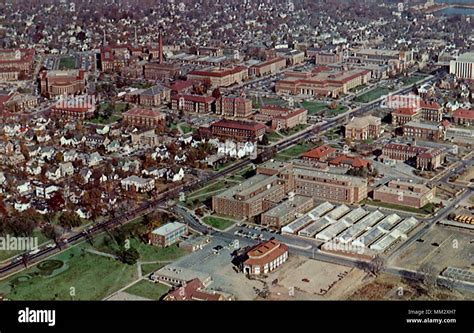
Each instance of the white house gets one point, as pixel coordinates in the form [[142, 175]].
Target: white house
[[138, 184]]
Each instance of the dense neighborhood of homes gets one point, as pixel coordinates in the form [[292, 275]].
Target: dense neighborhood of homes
[[332, 128]]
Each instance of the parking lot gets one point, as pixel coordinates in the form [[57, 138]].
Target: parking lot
[[215, 259]]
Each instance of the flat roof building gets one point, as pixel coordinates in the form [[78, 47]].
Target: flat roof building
[[287, 211], [168, 234]]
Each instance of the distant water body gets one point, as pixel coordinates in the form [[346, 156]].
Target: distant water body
[[456, 11]]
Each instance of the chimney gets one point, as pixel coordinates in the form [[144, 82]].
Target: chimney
[[160, 47]]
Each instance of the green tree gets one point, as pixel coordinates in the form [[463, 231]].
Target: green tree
[[70, 220]]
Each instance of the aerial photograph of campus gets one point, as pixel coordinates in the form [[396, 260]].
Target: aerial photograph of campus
[[237, 150]]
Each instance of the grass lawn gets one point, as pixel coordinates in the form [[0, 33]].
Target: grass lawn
[[4, 255], [92, 276], [116, 114], [372, 95], [67, 63], [147, 252], [185, 128], [274, 136], [294, 151], [217, 222], [148, 289], [267, 101], [334, 112], [198, 197], [313, 107], [427, 209], [150, 268], [294, 130], [412, 79]]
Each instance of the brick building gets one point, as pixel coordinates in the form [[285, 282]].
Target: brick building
[[404, 115], [282, 118], [419, 130], [77, 108], [321, 154], [404, 194], [234, 106], [268, 67], [363, 128], [265, 257], [193, 103], [421, 157], [168, 234], [287, 211], [16, 64], [57, 83], [220, 77], [238, 130], [163, 72], [250, 198], [144, 117], [322, 81], [463, 117], [154, 96], [431, 111]]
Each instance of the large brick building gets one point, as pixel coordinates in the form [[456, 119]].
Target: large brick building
[[192, 103], [154, 96], [404, 115], [57, 83], [322, 81], [268, 67], [419, 130], [75, 108], [220, 77], [287, 211], [363, 128], [463, 117], [238, 130], [160, 71], [404, 194], [421, 157], [16, 64], [144, 117], [281, 118], [250, 198], [234, 106], [431, 111], [274, 179]]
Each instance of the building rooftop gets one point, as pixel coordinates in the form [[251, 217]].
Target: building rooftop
[[466, 57], [288, 206], [168, 228]]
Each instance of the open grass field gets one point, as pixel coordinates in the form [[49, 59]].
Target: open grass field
[[412, 79], [372, 95], [148, 289], [259, 102], [294, 151], [313, 107], [67, 63], [5, 255], [76, 271], [217, 222], [116, 114], [87, 276]]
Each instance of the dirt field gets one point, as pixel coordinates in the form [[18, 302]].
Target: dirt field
[[305, 279], [466, 176], [443, 246], [387, 287]]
